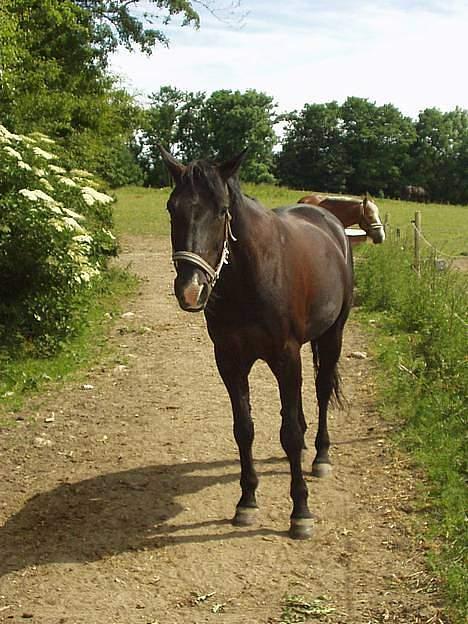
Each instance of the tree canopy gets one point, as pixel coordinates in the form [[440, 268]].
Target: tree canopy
[[53, 67], [359, 147], [216, 126]]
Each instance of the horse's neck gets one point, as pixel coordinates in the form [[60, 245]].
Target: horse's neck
[[249, 219], [348, 212], [254, 232]]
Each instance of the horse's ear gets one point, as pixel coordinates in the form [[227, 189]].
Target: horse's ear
[[231, 167], [175, 167]]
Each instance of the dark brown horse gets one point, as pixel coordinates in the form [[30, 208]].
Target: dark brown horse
[[415, 193], [268, 281], [351, 211]]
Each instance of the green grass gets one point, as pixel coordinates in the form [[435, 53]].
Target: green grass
[[141, 212], [421, 348], [445, 226], [22, 376]]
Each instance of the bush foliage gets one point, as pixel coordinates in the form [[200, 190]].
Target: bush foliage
[[55, 239]]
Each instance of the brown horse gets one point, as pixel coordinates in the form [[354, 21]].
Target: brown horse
[[415, 193], [268, 282], [351, 211]]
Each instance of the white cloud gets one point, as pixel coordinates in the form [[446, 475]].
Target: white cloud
[[408, 53]]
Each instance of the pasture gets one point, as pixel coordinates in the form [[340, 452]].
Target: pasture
[[143, 211]]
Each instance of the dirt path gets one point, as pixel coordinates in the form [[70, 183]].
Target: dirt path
[[114, 505]]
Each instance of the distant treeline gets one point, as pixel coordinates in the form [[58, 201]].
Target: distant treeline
[[55, 78], [354, 147]]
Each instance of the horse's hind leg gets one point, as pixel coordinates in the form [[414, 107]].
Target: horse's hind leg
[[288, 374], [327, 350], [235, 377]]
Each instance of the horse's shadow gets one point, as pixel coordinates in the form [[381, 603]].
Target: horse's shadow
[[114, 513]]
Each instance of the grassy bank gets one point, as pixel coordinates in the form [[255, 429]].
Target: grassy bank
[[421, 347], [22, 375]]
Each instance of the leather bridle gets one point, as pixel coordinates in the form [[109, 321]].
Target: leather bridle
[[211, 273]]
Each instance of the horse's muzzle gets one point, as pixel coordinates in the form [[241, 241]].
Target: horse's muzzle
[[377, 234], [192, 294]]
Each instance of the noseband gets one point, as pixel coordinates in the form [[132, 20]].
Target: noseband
[[193, 258], [364, 222]]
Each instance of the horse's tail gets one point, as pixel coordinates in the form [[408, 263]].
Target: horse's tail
[[337, 397]]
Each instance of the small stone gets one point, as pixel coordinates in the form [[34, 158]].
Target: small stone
[[358, 355], [42, 442]]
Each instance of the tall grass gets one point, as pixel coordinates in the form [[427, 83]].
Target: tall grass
[[424, 359]]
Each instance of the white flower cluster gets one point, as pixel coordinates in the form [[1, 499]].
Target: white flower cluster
[[91, 196], [57, 181]]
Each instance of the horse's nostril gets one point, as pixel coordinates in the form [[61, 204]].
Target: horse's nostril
[[192, 295]]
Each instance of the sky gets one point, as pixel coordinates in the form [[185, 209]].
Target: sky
[[410, 53]]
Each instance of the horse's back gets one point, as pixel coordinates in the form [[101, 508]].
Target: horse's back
[[323, 221], [318, 268]]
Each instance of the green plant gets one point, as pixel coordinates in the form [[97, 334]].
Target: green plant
[[300, 609], [55, 239], [423, 358]]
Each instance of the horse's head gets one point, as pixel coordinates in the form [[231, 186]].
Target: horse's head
[[370, 221], [199, 207]]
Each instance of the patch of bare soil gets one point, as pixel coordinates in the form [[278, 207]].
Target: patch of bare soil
[[116, 493]]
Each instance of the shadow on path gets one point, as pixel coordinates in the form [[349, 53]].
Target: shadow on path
[[118, 512]]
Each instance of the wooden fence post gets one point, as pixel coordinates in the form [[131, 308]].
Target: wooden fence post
[[417, 242]]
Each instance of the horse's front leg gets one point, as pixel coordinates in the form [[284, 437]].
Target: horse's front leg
[[235, 376], [288, 373]]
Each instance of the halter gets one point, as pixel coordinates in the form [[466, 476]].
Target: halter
[[193, 258], [364, 219]]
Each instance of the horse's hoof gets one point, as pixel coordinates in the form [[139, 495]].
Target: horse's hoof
[[321, 470], [301, 528], [245, 516]]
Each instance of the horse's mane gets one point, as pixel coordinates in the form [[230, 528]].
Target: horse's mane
[[206, 173]]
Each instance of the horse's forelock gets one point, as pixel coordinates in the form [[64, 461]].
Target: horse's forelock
[[206, 174]]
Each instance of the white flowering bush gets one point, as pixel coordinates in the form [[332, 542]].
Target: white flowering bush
[[55, 239]]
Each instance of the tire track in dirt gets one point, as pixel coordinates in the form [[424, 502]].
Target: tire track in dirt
[[116, 497]]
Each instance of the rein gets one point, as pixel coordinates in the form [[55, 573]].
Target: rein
[[193, 258]]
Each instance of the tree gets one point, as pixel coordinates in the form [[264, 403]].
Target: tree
[[376, 140], [193, 125], [237, 120], [174, 119], [312, 154], [54, 58], [439, 154]]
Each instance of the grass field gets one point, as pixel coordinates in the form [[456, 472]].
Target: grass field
[[143, 211]]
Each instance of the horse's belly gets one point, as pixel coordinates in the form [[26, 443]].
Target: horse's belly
[[320, 319]]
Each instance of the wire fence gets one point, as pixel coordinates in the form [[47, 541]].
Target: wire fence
[[436, 255]]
